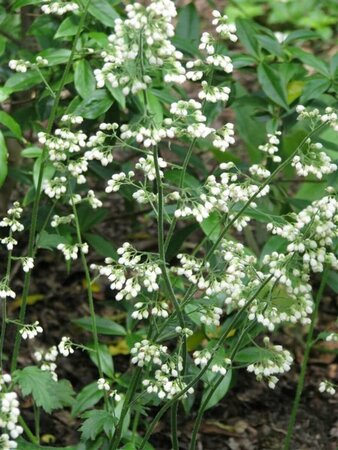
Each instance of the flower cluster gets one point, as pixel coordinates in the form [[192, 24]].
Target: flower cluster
[[145, 352], [278, 361], [58, 7], [30, 331], [313, 162], [21, 65], [9, 415], [140, 45], [327, 386], [129, 274], [103, 385]]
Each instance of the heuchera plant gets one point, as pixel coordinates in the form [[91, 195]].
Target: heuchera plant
[[239, 296]]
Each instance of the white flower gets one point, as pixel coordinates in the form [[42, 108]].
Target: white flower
[[30, 331], [27, 264], [65, 346]]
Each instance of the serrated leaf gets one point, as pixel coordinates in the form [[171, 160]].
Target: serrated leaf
[[47, 393], [87, 398], [96, 422], [104, 326], [3, 159]]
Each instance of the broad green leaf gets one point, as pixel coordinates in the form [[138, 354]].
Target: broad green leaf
[[4, 93], [105, 326], [247, 36], [294, 90], [103, 11], [212, 226], [188, 24], [88, 218], [117, 94], [11, 124], [24, 445], [48, 172], [313, 88], [271, 84], [332, 281], [155, 108], [87, 398], [101, 245], [190, 181], [271, 44], [96, 422], [46, 392], [56, 56], [273, 244], [50, 241], [23, 81], [251, 355], [96, 104], [84, 79], [68, 27], [3, 159], [220, 392]]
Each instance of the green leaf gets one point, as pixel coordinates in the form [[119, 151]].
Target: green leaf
[[251, 355], [332, 281], [271, 84], [11, 124], [88, 218], [32, 152], [23, 81], [212, 226], [4, 93], [96, 422], [311, 60], [68, 27], [103, 11], [48, 172], [50, 241], [24, 445], [96, 104], [247, 36], [299, 35], [314, 88], [294, 90], [3, 159], [47, 393], [84, 79], [155, 108], [87, 398], [271, 44], [106, 359], [56, 56], [101, 245], [188, 24], [105, 326], [220, 392], [117, 94], [20, 3]]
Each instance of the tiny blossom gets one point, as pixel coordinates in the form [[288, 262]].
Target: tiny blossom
[[57, 220], [145, 352], [55, 188], [27, 264], [147, 165], [224, 137], [103, 385], [93, 200], [195, 71], [9, 242], [201, 357], [143, 196], [12, 220], [327, 386], [214, 94], [313, 162], [58, 7], [30, 331], [65, 347], [271, 147], [279, 362], [75, 120], [184, 331], [226, 30], [5, 290], [117, 180], [332, 337], [71, 251], [259, 171], [211, 316]]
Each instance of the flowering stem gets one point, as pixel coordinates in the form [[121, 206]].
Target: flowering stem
[[192, 383], [27, 430], [173, 423], [36, 203], [301, 380]]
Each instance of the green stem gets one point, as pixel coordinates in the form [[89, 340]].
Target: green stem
[[301, 380], [37, 422], [4, 307], [173, 423], [37, 198], [27, 431]]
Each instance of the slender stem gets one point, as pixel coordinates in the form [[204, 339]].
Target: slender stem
[[37, 198], [37, 422], [4, 307], [301, 380], [27, 430], [135, 424], [173, 423]]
